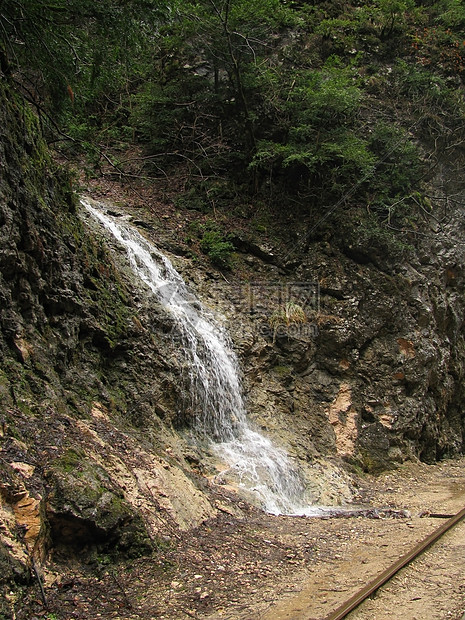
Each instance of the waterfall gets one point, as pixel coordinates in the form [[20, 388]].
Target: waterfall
[[258, 467]]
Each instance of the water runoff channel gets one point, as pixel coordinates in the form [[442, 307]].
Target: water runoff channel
[[259, 468]]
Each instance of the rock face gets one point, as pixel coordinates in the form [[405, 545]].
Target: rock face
[[86, 458], [399, 346], [380, 380]]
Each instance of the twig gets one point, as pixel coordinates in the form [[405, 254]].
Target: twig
[[129, 605], [42, 591]]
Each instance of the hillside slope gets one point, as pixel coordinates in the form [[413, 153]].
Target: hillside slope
[[94, 458], [85, 456]]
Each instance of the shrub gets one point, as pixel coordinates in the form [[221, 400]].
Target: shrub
[[217, 248]]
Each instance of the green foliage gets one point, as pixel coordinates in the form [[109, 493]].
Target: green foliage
[[440, 47], [326, 97], [242, 105], [321, 150], [192, 201], [78, 59], [328, 102], [398, 165], [449, 13], [173, 116], [375, 235], [217, 248], [420, 86], [203, 109], [387, 16]]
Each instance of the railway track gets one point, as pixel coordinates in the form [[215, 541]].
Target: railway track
[[370, 588], [357, 572]]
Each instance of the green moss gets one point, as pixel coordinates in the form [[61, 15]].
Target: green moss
[[105, 291], [83, 491], [371, 464], [85, 488], [5, 391], [71, 461]]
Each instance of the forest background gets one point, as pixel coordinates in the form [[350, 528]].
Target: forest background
[[334, 109]]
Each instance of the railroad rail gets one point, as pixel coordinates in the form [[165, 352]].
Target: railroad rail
[[354, 601]]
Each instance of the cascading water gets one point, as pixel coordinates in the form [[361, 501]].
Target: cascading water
[[254, 463]]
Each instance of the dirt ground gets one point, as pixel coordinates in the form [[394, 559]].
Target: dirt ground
[[266, 567]]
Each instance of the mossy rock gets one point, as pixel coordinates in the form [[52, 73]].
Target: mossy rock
[[86, 508]]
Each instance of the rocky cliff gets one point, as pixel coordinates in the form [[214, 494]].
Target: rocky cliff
[[92, 448], [80, 375], [382, 380]]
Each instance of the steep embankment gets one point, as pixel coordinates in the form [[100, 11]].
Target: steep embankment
[[79, 373], [382, 380]]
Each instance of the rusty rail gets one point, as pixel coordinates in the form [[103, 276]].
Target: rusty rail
[[343, 610]]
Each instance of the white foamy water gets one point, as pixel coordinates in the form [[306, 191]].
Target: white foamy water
[[215, 402]]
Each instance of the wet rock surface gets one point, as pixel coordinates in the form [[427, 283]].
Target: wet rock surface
[[87, 391]]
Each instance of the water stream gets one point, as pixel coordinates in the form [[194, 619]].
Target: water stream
[[251, 461]]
